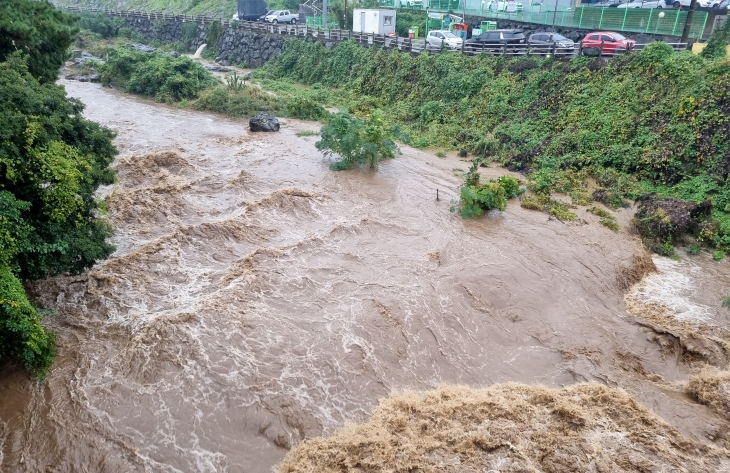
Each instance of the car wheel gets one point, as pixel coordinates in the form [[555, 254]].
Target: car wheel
[[676, 5], [293, 21], [274, 21]]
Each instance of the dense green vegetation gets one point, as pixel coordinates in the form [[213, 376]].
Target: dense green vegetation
[[157, 74], [52, 160], [38, 30], [654, 123], [170, 79]]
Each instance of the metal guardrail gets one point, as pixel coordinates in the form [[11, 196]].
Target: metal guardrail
[[414, 46]]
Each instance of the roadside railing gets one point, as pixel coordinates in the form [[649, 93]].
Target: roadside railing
[[412, 45]]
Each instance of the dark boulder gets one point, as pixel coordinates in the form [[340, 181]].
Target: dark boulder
[[263, 121]]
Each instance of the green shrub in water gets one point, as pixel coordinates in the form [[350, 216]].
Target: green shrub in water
[[357, 140]]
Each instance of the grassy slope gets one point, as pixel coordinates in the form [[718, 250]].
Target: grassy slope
[[225, 8], [655, 122]]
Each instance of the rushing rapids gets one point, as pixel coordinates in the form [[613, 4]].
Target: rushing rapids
[[257, 299]]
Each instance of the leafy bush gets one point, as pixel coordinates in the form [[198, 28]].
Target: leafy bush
[[717, 45], [305, 108], [511, 186], [40, 31], [693, 250], [726, 302], [101, 24], [245, 102], [477, 198], [158, 74], [189, 30], [53, 161], [718, 255], [22, 337], [357, 140]]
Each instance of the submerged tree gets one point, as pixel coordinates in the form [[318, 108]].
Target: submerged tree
[[357, 140]]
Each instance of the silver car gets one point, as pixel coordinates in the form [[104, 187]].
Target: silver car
[[436, 38], [281, 16]]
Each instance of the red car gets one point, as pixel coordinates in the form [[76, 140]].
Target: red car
[[610, 42]]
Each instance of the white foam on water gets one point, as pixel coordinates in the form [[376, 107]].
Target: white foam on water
[[672, 286]]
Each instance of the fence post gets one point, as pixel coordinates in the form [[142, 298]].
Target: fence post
[[580, 21], [648, 22], [676, 20], [704, 25], [600, 51], [600, 20], [580, 48], [626, 12]]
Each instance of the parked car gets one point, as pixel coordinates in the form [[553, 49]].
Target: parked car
[[496, 40], [644, 4], [722, 5], [609, 42], [607, 3], [281, 16], [411, 3], [263, 17], [437, 37], [686, 3], [509, 6], [545, 42]]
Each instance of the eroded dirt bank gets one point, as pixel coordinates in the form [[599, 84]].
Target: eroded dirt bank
[[257, 299]]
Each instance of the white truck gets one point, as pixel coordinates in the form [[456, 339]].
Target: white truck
[[282, 16]]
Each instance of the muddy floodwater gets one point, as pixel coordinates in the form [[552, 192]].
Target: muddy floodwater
[[257, 298]]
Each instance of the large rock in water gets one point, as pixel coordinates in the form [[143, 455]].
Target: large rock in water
[[263, 121]]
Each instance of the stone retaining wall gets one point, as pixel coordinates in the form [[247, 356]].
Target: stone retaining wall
[[233, 47]]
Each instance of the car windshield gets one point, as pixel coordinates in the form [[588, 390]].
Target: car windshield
[[510, 35], [449, 34], [559, 37], [618, 37]]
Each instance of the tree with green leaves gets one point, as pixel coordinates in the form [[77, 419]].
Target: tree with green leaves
[[52, 160], [717, 45], [357, 140], [40, 31]]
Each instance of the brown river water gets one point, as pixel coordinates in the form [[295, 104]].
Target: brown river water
[[257, 298]]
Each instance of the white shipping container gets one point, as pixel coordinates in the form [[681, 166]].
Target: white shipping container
[[378, 21]]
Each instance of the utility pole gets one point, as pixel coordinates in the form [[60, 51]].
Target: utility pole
[[324, 13], [556, 12], [346, 25], [688, 23]]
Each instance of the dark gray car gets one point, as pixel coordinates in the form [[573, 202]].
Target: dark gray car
[[543, 43], [509, 42]]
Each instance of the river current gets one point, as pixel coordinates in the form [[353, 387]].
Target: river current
[[257, 298]]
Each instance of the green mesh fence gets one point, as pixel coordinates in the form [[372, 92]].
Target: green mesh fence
[[317, 21], [639, 20]]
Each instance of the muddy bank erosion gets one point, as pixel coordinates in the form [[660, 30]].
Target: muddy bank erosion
[[257, 299]]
